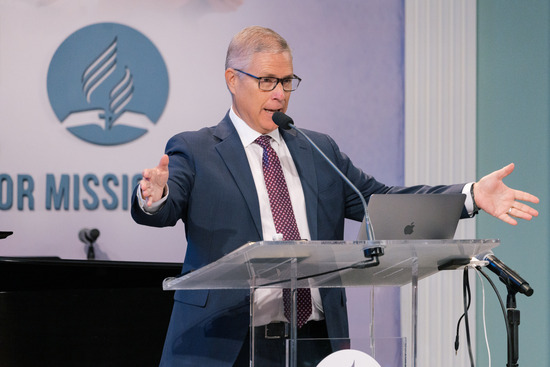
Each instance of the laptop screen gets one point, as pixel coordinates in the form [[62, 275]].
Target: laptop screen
[[414, 216]]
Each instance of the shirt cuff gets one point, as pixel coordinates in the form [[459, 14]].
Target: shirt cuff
[[469, 202], [156, 206]]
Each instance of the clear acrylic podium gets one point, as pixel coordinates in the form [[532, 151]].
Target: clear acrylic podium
[[324, 264]]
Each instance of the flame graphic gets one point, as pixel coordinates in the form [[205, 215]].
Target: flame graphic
[[103, 66], [120, 96]]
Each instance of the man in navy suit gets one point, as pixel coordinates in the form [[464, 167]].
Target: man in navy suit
[[212, 180]]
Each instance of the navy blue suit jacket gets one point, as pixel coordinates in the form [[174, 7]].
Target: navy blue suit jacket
[[212, 191]]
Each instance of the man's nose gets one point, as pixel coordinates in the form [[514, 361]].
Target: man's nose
[[278, 92]]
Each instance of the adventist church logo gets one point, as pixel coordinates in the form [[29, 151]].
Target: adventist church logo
[[108, 84]]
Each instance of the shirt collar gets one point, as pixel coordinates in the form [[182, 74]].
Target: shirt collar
[[248, 134]]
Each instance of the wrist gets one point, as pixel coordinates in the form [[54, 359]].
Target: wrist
[[476, 208]]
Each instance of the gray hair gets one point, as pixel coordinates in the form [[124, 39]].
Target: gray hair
[[252, 40]]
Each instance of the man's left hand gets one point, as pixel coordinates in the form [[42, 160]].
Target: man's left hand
[[502, 202]]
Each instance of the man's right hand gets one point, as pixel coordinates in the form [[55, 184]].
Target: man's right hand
[[154, 181]]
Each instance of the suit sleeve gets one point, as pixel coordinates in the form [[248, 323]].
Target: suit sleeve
[[368, 186], [180, 183]]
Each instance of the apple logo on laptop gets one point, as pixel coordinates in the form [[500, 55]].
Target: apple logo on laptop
[[409, 229]]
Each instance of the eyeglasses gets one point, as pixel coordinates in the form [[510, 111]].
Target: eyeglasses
[[268, 83]]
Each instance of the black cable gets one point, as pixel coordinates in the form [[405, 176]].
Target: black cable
[[460, 320], [364, 264], [478, 268], [467, 296], [466, 288]]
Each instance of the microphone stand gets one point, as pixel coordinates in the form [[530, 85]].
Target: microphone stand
[[91, 252], [514, 284], [89, 237], [513, 321], [368, 227], [372, 254]]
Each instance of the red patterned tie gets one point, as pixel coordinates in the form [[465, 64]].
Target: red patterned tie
[[285, 222]]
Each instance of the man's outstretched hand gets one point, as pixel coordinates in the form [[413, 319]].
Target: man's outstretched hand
[[502, 202], [154, 181]]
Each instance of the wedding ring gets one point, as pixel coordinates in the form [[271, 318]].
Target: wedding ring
[[510, 210]]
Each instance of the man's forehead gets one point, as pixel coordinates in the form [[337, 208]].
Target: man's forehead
[[272, 62]]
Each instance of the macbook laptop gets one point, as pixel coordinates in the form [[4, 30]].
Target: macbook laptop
[[414, 216]]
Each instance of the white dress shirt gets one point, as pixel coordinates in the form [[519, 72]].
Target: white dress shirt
[[268, 305]]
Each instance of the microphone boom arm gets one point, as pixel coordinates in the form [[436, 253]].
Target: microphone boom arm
[[369, 230]]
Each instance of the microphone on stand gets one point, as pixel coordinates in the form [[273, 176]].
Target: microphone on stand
[[89, 236], [508, 276], [286, 123], [514, 283]]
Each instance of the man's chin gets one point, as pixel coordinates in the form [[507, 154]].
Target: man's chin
[[270, 127], [267, 124]]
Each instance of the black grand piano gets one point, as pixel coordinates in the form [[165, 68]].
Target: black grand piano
[[56, 312]]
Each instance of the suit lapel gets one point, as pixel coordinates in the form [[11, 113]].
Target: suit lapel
[[302, 154], [231, 151]]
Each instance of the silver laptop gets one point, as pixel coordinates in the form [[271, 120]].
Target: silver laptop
[[414, 216]]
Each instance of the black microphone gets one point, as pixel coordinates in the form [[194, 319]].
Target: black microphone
[[88, 236], [285, 122], [505, 274]]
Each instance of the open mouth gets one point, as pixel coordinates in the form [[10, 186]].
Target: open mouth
[[271, 111]]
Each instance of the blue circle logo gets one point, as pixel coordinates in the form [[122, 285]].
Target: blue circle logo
[[108, 84]]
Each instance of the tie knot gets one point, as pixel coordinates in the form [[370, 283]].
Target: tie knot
[[263, 141]]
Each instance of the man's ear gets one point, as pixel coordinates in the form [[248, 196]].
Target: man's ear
[[231, 79]]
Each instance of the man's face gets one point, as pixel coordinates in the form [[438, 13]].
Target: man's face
[[255, 106]]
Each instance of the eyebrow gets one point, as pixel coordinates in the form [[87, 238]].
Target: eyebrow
[[274, 76], [271, 75]]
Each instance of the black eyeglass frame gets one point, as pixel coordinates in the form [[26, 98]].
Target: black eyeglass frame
[[279, 80]]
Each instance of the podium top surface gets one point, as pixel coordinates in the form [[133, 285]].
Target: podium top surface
[[284, 264]]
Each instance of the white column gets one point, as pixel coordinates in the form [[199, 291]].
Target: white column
[[440, 144]]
